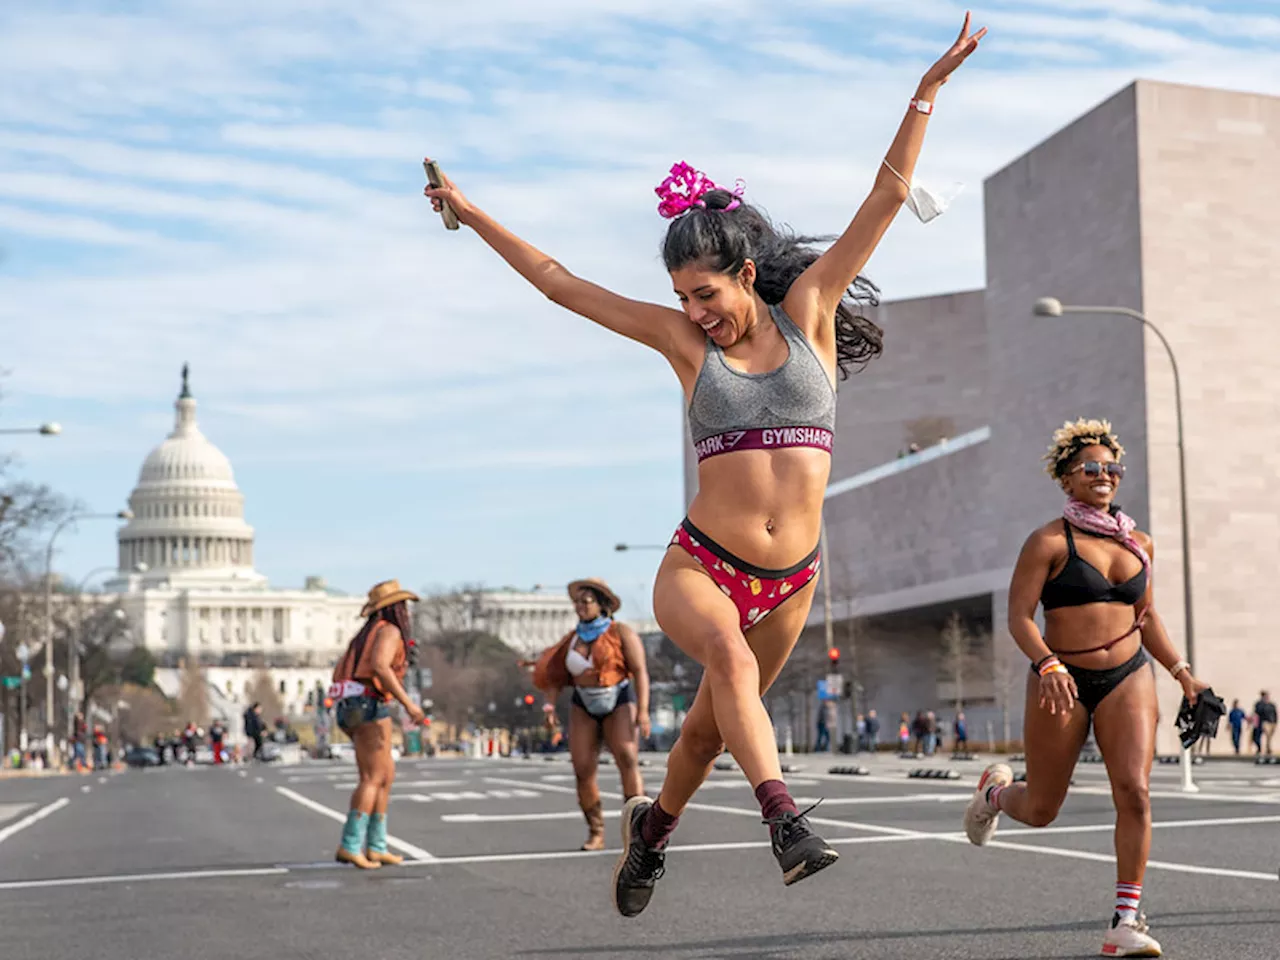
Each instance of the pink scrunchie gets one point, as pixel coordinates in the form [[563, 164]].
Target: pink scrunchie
[[685, 187]]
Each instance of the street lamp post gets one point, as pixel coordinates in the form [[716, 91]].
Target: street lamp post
[[624, 547], [73, 653], [45, 429], [1052, 307], [48, 612]]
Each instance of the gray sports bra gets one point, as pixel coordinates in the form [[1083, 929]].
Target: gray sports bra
[[792, 406]]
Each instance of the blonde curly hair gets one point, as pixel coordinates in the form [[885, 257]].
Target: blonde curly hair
[[1071, 438]]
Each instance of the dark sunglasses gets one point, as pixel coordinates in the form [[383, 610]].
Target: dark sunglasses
[[1096, 468]]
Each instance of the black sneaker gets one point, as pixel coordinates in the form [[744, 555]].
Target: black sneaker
[[639, 865], [799, 850]]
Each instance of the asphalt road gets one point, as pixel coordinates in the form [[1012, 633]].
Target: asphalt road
[[206, 862]]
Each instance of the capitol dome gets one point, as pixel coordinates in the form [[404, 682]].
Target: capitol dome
[[188, 513]]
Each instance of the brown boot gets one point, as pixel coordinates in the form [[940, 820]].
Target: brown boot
[[387, 859], [358, 859], [595, 826]]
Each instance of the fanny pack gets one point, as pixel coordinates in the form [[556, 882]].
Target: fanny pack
[[600, 701], [348, 688]]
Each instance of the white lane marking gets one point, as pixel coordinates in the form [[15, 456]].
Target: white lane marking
[[518, 817], [906, 798], [102, 779], [10, 810], [36, 817], [1158, 825], [740, 812], [258, 780], [349, 784], [411, 797], [243, 773], [1151, 864], [416, 852], [85, 789], [141, 877]]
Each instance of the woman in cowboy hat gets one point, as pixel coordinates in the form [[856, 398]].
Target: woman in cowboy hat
[[603, 660], [367, 678]]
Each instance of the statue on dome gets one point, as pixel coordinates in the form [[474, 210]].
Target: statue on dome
[[186, 386]]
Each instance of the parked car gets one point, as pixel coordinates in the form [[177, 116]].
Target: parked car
[[142, 757]]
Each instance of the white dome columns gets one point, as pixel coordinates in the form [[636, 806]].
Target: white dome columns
[[188, 512]]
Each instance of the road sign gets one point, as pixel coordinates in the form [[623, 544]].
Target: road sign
[[26, 672], [11, 683]]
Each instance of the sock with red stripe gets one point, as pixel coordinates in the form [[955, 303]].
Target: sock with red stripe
[[993, 795], [657, 826], [1128, 896]]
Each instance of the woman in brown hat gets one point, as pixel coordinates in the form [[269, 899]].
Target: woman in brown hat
[[367, 678], [603, 660]]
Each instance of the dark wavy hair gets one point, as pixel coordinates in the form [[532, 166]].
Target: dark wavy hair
[[397, 615], [724, 240]]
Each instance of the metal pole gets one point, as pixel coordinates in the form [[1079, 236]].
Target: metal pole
[[828, 625]]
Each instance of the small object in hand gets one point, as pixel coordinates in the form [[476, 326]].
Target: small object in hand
[[436, 180], [1201, 721]]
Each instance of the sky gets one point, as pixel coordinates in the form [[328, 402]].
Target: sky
[[238, 185]]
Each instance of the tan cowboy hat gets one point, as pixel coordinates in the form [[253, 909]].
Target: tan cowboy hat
[[595, 583], [384, 594]]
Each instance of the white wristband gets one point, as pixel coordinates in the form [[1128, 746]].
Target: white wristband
[[1178, 667], [922, 106]]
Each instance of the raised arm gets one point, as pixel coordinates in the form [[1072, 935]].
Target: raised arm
[[663, 328], [817, 292]]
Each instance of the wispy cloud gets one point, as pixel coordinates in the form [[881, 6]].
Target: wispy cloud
[[238, 184]]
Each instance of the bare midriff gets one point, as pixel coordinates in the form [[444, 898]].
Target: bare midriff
[[1091, 625], [764, 506]]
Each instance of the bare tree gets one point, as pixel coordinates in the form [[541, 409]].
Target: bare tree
[[1009, 676], [193, 694], [961, 663], [141, 712]]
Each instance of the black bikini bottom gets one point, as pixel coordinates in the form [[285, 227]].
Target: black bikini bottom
[[1094, 685]]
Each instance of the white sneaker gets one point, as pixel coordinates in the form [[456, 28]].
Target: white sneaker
[[1129, 938], [979, 819]]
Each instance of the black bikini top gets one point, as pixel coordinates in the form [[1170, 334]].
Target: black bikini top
[[1080, 582]]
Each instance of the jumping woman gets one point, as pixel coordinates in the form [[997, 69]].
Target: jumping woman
[[1092, 572], [367, 678], [764, 325]]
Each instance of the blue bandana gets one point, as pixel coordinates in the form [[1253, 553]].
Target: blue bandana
[[589, 630]]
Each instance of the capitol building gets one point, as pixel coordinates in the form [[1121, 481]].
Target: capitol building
[[187, 583]]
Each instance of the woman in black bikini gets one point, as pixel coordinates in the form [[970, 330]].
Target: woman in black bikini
[[1091, 570]]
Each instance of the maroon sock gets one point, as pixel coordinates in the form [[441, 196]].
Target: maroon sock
[[657, 826], [774, 799]]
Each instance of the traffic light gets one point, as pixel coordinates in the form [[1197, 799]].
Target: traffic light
[[328, 703], [528, 699], [834, 656]]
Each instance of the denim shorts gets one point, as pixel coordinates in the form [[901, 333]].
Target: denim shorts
[[354, 711]]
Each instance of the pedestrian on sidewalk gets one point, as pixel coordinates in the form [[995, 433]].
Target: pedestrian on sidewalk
[[255, 728], [603, 660], [1265, 708], [904, 733], [1236, 719], [873, 731], [961, 743]]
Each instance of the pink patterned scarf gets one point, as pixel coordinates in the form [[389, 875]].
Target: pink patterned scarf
[[1119, 526]]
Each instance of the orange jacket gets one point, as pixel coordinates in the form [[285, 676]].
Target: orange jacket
[[607, 659]]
